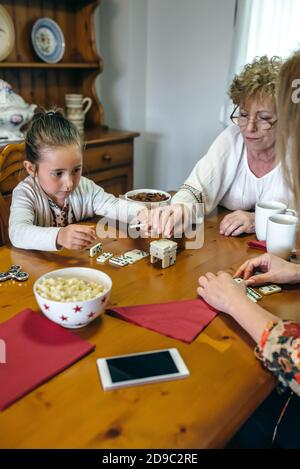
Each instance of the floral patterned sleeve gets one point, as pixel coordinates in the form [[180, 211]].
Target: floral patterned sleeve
[[279, 350]]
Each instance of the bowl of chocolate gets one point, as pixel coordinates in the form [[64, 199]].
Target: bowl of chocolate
[[149, 197]]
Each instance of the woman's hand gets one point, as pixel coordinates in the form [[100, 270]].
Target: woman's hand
[[273, 268], [238, 222], [221, 291], [76, 236], [164, 220]]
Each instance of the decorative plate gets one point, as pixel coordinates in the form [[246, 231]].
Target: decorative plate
[[48, 40], [7, 33]]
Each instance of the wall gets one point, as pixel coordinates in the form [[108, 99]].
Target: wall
[[165, 74]]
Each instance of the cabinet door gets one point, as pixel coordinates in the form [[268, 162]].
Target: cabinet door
[[116, 181]]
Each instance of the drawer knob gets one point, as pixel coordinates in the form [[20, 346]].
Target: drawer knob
[[106, 157]]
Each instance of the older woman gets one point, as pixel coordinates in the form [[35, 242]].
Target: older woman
[[278, 340], [240, 168]]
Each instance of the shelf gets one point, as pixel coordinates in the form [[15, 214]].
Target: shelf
[[63, 65]]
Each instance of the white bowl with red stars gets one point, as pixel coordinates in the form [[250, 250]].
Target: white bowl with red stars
[[75, 314]]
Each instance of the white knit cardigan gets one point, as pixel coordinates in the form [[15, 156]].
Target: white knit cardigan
[[31, 220]]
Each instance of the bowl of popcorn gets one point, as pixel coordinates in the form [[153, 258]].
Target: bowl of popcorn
[[149, 197], [73, 297]]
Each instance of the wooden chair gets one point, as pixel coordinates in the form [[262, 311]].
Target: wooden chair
[[11, 173]]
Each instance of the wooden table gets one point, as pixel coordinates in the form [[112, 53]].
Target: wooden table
[[203, 411]]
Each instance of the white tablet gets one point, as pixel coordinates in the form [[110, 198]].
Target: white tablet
[[141, 368]]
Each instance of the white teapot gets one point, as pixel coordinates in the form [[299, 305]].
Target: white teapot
[[14, 113]]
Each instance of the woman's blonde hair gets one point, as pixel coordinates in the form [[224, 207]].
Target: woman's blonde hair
[[258, 79], [288, 131]]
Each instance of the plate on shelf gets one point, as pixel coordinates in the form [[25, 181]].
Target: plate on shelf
[[48, 40], [7, 33]]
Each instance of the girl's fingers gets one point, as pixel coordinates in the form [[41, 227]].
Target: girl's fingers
[[82, 238], [85, 229]]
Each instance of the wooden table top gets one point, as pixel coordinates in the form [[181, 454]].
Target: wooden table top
[[226, 382]]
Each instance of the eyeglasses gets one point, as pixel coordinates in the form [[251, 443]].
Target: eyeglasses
[[261, 122]]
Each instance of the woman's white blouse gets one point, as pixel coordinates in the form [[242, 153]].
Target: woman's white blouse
[[223, 177]]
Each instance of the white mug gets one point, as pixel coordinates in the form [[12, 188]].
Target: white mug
[[281, 234], [263, 210]]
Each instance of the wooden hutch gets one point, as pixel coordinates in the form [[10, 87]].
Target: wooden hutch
[[108, 156]]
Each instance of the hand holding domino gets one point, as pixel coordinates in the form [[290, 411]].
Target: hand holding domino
[[76, 236], [272, 269]]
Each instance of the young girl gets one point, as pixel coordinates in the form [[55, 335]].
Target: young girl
[[49, 203]]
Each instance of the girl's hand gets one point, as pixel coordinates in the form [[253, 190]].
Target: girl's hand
[[76, 236], [273, 268], [238, 222], [221, 291]]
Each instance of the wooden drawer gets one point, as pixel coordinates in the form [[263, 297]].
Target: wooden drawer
[[116, 181], [107, 156]]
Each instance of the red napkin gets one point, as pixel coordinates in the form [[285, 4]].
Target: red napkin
[[36, 349], [257, 245], [182, 320]]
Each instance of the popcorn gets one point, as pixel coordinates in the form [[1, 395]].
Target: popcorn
[[66, 289]]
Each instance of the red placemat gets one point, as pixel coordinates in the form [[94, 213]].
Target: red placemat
[[36, 349], [182, 320]]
